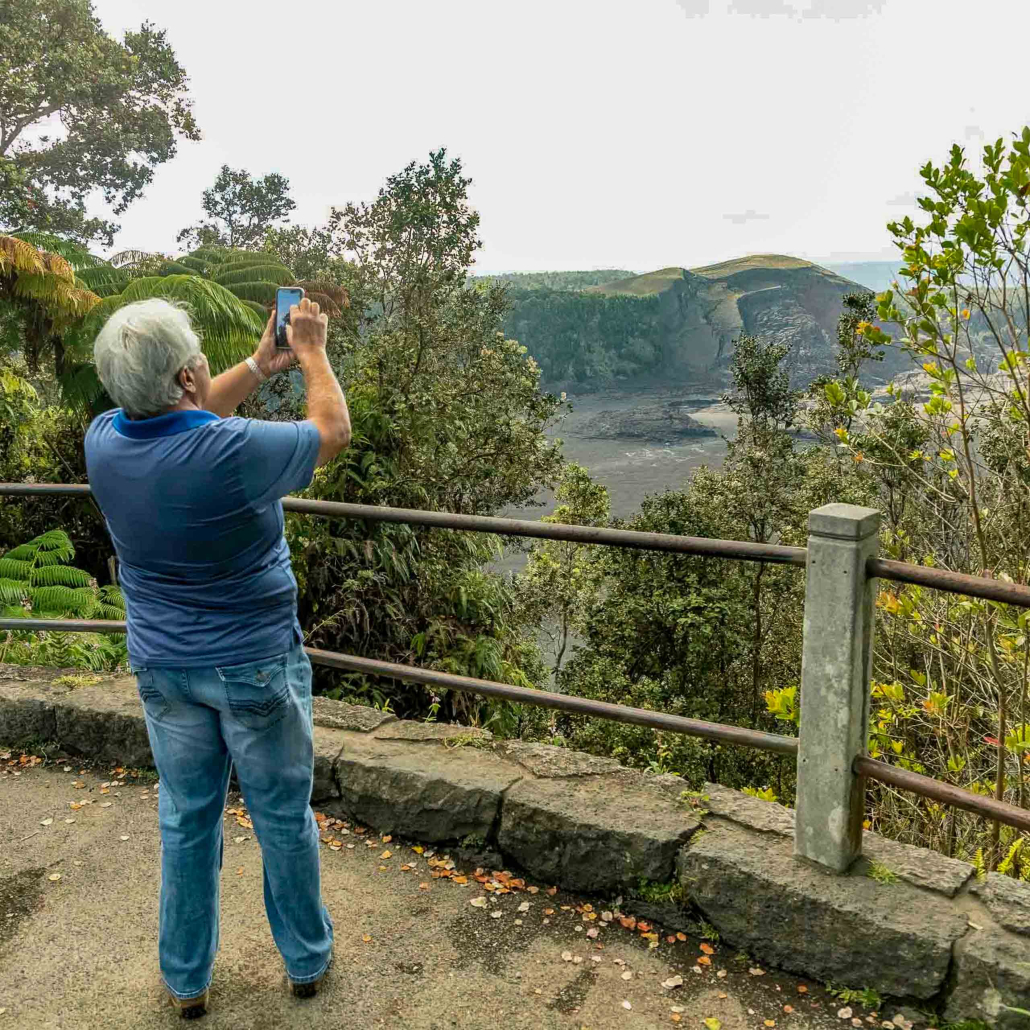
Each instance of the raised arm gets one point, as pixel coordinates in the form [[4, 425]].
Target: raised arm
[[233, 386], [327, 408]]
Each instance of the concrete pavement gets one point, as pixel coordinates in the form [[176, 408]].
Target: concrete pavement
[[80, 951]]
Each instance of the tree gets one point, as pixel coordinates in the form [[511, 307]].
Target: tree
[[240, 210], [558, 577], [447, 414], [81, 112]]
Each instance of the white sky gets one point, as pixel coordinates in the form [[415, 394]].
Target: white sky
[[607, 133]]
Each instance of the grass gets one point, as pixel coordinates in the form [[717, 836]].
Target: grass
[[84, 680], [661, 893], [881, 874], [751, 261], [864, 996], [647, 285]]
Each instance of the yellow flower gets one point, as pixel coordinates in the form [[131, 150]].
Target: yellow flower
[[965, 312], [859, 457]]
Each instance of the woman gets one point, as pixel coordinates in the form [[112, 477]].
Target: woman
[[191, 497]]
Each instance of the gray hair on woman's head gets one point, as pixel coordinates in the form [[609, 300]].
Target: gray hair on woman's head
[[140, 352]]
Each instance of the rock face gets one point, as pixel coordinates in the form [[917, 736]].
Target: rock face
[[659, 423], [703, 310]]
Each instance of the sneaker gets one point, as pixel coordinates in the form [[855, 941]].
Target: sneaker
[[190, 1008], [310, 989]]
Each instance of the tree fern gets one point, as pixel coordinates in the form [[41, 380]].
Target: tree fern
[[227, 275], [57, 600], [58, 575]]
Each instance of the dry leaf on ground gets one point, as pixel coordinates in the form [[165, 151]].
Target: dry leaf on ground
[[479, 902], [673, 981]]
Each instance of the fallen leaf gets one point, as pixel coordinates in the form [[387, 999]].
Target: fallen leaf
[[552, 891], [723, 994], [673, 981], [576, 961], [387, 839], [239, 872], [496, 914], [721, 974], [626, 1005], [596, 958], [644, 927], [713, 1024], [802, 989], [367, 938], [593, 932], [479, 902], [675, 1017], [548, 911], [532, 890], [47, 821], [78, 784], [566, 956], [627, 975], [755, 971], [788, 1008], [858, 1022], [418, 849], [845, 1013], [703, 960], [460, 879], [386, 854], [629, 922], [695, 969], [124, 836], [423, 886], [106, 804], [54, 876], [524, 907], [770, 1022], [240, 840], [706, 948], [69, 820]]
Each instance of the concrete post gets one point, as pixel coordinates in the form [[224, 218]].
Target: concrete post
[[835, 671]]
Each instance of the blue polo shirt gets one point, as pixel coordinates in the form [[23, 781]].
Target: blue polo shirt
[[192, 503]]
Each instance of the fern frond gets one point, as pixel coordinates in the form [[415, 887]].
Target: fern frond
[[56, 599], [258, 292], [74, 254], [20, 257], [22, 553], [131, 258], [336, 297], [54, 540], [227, 275], [103, 280], [12, 592], [257, 307], [240, 258], [59, 575], [181, 268]]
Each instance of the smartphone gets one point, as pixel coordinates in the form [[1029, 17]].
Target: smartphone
[[285, 298]]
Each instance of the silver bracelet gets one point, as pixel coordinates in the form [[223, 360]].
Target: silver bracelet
[[256, 369]]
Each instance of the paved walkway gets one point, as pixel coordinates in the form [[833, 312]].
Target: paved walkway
[[78, 929]]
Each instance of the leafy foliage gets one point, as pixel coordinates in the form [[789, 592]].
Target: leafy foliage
[[121, 107], [240, 209]]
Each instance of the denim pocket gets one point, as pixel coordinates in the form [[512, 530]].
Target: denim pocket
[[257, 693], [154, 702]]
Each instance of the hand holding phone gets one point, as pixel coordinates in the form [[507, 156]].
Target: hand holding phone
[[306, 328], [286, 297]]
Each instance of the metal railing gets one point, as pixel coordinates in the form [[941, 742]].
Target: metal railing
[[813, 765]]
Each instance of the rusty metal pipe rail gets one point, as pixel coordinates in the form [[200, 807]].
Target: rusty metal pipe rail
[[430, 677], [945, 793], [953, 582], [870, 768], [668, 542]]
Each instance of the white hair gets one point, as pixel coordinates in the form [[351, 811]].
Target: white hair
[[140, 352]]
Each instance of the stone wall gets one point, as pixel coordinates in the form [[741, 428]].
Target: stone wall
[[932, 935]]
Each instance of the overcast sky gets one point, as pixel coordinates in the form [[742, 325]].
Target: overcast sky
[[609, 133]]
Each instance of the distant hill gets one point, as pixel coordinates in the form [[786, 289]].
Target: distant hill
[[875, 275], [558, 280], [678, 325]]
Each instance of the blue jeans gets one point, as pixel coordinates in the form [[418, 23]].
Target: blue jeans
[[200, 722]]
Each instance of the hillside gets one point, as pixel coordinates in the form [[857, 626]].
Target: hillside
[[678, 325]]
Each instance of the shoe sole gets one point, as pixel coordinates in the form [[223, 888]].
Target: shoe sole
[[191, 1008]]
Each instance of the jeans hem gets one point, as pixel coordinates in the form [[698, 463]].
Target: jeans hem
[[313, 976], [191, 995]]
